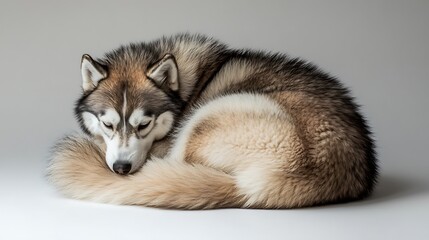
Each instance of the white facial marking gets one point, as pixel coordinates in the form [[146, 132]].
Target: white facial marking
[[91, 122], [135, 152], [124, 111], [112, 149], [138, 118], [139, 144], [110, 117]]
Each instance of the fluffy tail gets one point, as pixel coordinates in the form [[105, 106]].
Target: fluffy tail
[[78, 170]]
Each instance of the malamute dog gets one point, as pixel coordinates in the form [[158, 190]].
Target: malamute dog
[[186, 122]]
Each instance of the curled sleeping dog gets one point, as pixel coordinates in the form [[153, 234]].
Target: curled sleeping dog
[[186, 122]]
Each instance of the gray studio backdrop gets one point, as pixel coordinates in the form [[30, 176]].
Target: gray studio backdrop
[[379, 49]]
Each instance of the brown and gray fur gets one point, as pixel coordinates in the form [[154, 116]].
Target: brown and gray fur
[[250, 130]]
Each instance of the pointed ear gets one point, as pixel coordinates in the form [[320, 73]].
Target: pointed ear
[[92, 73], [165, 72]]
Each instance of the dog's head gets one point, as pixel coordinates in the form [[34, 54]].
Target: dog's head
[[128, 106]]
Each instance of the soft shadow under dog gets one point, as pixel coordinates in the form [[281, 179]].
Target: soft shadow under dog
[[391, 188]]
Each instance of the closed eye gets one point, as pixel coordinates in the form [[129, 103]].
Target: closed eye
[[143, 126], [108, 125]]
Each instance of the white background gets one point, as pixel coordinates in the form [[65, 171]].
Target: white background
[[380, 49]]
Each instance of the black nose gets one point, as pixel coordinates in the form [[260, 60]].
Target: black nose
[[122, 167]]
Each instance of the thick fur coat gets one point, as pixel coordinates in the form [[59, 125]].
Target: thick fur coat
[[189, 123]]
